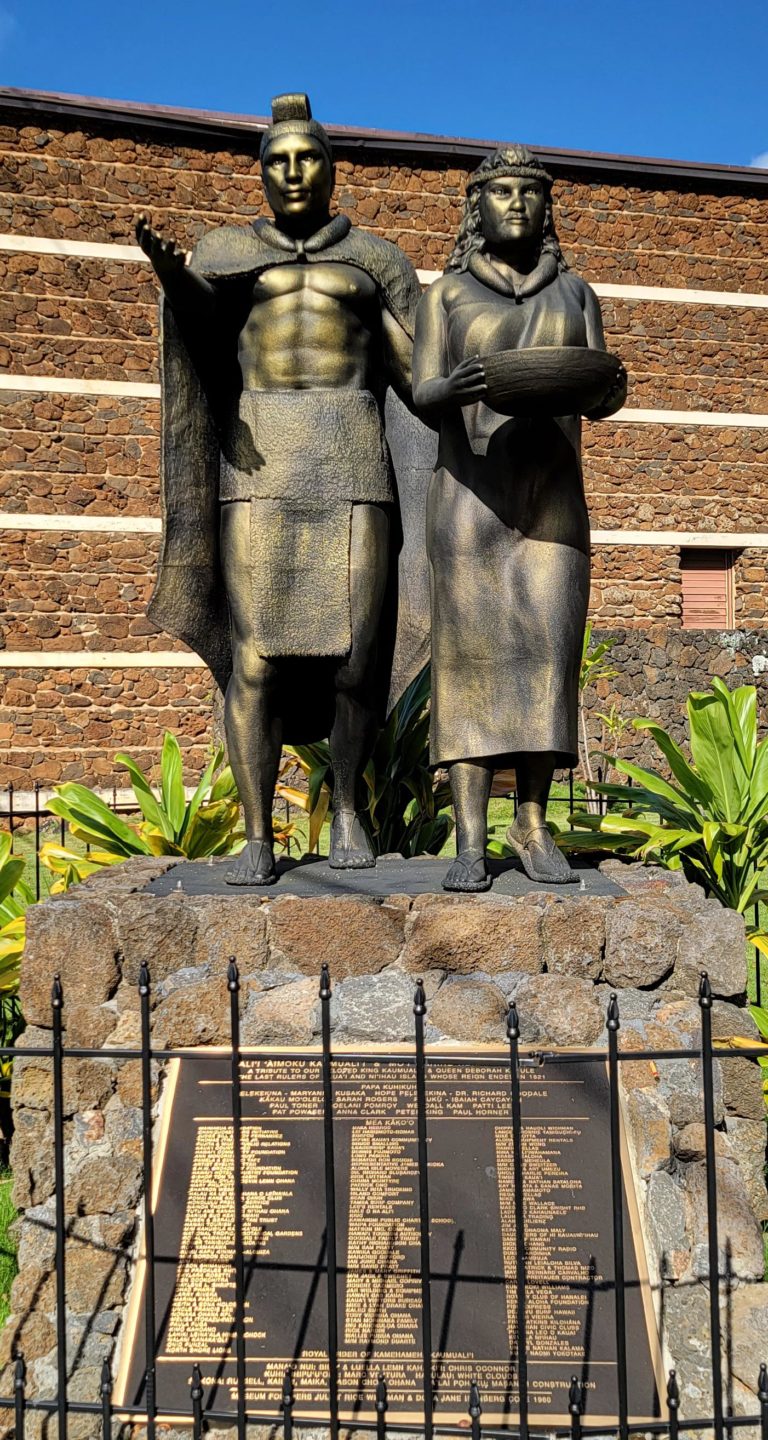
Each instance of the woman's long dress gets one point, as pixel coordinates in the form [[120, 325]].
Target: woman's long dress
[[508, 541]]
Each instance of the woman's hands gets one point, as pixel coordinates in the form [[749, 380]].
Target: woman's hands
[[466, 383], [167, 260], [464, 386]]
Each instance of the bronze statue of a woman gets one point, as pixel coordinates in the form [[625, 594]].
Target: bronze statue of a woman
[[507, 523]]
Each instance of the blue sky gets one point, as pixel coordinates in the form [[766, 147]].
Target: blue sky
[[686, 79]]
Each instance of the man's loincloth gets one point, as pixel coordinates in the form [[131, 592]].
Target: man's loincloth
[[302, 459]]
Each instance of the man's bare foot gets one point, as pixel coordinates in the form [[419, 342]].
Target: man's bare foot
[[255, 865], [469, 872], [540, 856], [350, 846]]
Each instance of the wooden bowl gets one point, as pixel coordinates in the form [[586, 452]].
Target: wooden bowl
[[551, 380]]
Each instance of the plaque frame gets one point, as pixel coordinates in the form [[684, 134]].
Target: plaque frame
[[457, 1050]]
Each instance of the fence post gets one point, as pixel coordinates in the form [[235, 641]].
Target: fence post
[[19, 1395], [617, 1192], [37, 839], [330, 1202], [705, 1005], [574, 1407], [673, 1405], [286, 1405], [196, 1396], [106, 1401], [762, 1395], [149, 1219], [57, 1005], [233, 986], [513, 1035], [419, 1011], [381, 1408], [475, 1410]]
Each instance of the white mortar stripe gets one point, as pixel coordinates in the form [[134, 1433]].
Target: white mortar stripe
[[98, 660], [754, 300], [718, 419], [85, 249], [52, 385], [115, 524], [148, 525], [698, 539], [94, 250]]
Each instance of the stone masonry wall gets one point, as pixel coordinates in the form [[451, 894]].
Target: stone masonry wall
[[657, 668], [559, 958]]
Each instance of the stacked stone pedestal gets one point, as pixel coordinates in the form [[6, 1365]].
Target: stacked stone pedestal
[[558, 954]]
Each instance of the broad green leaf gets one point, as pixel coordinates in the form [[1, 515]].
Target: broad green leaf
[[200, 794], [714, 752], [172, 782], [691, 783], [90, 819], [657, 786], [744, 705], [758, 1012], [10, 875], [148, 803]]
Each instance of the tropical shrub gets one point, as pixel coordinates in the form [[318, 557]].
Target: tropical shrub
[[593, 668], [207, 824], [405, 807], [711, 818], [15, 897]]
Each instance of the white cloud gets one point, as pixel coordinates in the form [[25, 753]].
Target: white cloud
[[760, 162]]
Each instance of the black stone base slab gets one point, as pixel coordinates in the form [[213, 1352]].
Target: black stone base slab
[[312, 878]]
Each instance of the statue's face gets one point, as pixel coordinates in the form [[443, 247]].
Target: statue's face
[[512, 211], [298, 177]]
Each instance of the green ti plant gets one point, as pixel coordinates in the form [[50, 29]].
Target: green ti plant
[[15, 897], [206, 824], [405, 808], [709, 819]]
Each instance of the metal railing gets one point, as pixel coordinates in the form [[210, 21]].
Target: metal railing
[[512, 1061]]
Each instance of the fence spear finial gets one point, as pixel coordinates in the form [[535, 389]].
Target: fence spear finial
[[612, 1019], [513, 1022], [705, 992], [419, 999], [574, 1396], [57, 993], [144, 981], [381, 1394], [325, 982], [233, 975]]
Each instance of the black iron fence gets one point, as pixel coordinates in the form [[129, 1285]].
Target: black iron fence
[[201, 1411]]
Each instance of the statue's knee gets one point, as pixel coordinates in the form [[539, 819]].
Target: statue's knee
[[354, 678], [251, 670]]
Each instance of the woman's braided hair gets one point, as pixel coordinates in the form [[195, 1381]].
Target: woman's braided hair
[[507, 160]]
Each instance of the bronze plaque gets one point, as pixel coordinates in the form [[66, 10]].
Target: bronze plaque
[[570, 1303]]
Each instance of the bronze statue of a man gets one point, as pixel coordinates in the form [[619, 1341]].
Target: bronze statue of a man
[[507, 523], [278, 343]]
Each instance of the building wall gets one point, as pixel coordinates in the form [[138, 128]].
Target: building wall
[[85, 673]]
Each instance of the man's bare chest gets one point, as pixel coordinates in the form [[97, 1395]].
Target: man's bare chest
[[320, 286]]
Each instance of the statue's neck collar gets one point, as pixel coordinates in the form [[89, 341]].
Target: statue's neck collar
[[484, 270], [329, 234]]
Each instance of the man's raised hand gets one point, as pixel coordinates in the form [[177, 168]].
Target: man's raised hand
[[165, 256]]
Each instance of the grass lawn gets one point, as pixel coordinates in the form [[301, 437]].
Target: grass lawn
[[8, 1265]]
